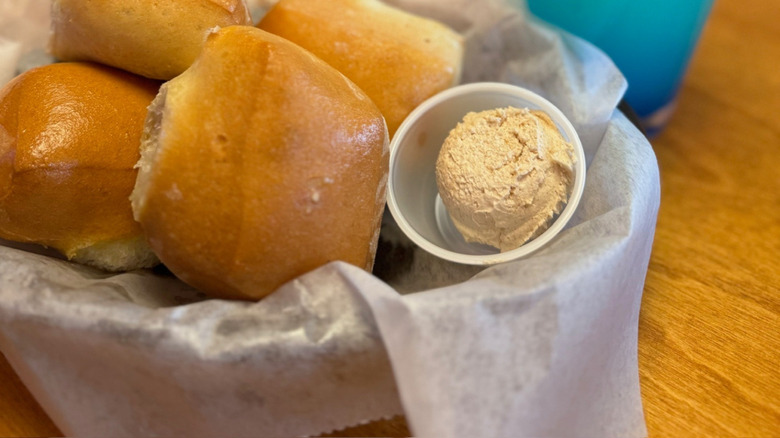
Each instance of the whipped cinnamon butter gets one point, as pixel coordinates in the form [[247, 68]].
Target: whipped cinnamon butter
[[504, 174]]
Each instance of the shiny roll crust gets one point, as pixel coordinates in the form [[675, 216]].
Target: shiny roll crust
[[69, 140], [260, 163], [397, 58], [154, 38]]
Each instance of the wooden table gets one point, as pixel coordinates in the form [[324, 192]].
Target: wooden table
[[709, 331]]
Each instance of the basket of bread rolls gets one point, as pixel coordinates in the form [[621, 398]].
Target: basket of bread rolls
[[254, 161], [193, 222]]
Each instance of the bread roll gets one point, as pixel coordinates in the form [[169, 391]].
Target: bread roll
[[397, 58], [156, 39], [259, 164], [69, 138]]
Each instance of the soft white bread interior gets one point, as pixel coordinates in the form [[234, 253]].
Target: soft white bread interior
[[397, 58], [69, 140], [260, 163], [154, 38]]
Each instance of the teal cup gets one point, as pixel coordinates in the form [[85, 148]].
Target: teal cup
[[651, 42]]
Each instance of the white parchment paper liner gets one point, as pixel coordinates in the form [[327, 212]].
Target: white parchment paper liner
[[544, 346]]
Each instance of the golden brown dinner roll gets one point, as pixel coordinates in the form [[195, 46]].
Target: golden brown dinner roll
[[156, 39], [397, 58], [69, 139], [259, 164]]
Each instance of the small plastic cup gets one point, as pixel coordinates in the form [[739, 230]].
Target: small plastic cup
[[412, 194]]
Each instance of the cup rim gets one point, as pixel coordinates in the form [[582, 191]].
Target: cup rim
[[527, 248]]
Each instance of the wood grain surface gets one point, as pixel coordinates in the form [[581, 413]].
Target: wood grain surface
[[709, 330], [709, 338]]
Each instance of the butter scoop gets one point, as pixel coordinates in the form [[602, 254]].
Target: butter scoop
[[504, 174], [413, 195]]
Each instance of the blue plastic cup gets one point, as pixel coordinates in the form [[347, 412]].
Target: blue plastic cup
[[651, 42]]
